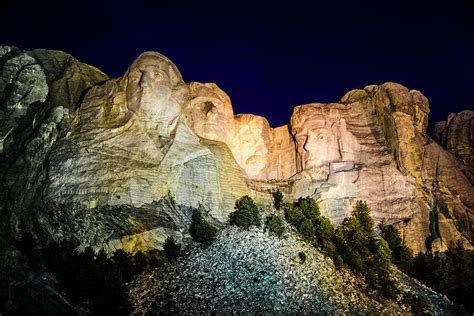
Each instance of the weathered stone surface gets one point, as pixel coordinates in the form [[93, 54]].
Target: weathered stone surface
[[129, 145], [150, 147], [456, 135], [257, 148], [251, 272], [441, 182]]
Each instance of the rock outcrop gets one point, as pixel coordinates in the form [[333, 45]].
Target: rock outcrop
[[456, 135], [120, 163]]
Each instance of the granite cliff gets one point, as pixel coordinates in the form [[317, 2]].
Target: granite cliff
[[456, 135], [120, 163]]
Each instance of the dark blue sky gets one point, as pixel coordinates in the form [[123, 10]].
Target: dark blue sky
[[268, 57]]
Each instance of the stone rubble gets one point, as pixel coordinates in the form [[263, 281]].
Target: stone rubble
[[253, 272]]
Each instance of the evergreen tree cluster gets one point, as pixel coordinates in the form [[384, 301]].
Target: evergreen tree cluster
[[352, 244], [246, 213], [450, 273], [277, 199], [201, 230], [275, 224], [94, 281]]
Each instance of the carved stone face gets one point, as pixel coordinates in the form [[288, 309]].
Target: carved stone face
[[251, 140], [209, 112], [321, 137], [156, 92]]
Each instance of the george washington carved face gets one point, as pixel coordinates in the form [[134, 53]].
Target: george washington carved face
[[156, 92]]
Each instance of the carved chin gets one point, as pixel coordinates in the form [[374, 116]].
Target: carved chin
[[313, 164]]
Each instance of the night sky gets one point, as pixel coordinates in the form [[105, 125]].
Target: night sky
[[268, 57]]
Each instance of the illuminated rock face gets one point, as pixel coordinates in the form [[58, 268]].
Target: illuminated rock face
[[118, 163], [371, 146], [456, 135], [209, 112], [129, 145], [321, 136], [155, 92]]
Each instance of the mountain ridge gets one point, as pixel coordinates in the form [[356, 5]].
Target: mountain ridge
[[73, 138]]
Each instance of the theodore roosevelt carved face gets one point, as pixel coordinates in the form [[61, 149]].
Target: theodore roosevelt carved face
[[251, 139], [156, 92]]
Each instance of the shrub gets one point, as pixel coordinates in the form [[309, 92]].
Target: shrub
[[418, 303], [307, 229], [361, 212], [246, 214], [171, 249], [323, 229], [381, 267], [201, 231], [302, 256], [338, 262], [293, 215], [276, 225], [94, 279], [309, 208], [391, 235], [277, 199], [403, 257]]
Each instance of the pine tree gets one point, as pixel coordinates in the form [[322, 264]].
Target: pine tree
[[362, 213], [381, 266], [307, 229], [277, 199]]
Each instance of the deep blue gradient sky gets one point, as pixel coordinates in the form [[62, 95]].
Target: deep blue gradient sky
[[268, 57]]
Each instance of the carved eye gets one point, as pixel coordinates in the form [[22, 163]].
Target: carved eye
[[159, 76], [208, 108]]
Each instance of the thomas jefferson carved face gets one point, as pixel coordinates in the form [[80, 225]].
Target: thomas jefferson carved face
[[156, 92], [209, 112], [321, 136]]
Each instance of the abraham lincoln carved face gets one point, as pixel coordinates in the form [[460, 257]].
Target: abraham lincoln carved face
[[321, 137]]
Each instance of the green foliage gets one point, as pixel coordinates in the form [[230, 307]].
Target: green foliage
[[420, 268], [323, 230], [277, 199], [357, 243], [338, 262], [450, 273], [418, 303], [391, 235], [171, 249], [356, 247], [402, 255], [93, 279], [306, 229], [246, 214], [294, 215], [444, 274], [201, 231], [361, 213], [276, 225], [302, 256], [309, 208], [381, 266]]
